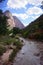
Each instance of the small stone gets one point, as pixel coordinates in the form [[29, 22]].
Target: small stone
[[37, 54]]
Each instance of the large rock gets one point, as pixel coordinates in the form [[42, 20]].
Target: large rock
[[18, 23], [10, 19], [13, 21]]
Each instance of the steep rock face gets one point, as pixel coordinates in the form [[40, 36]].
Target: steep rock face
[[10, 19], [18, 23], [13, 21]]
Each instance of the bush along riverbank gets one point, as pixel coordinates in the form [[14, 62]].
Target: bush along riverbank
[[8, 44], [14, 52]]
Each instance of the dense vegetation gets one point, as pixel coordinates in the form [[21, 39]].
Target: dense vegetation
[[2, 50], [34, 30], [14, 52], [8, 38], [3, 23], [16, 30]]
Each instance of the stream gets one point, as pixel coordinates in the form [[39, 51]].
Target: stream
[[29, 54]]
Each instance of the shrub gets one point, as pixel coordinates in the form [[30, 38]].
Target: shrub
[[18, 44], [13, 54], [2, 50]]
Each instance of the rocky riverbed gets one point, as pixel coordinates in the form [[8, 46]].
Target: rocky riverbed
[[30, 54]]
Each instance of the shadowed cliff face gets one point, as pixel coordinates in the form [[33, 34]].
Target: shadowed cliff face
[[18, 23], [13, 21]]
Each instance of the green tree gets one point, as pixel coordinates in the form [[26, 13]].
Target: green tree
[[16, 30], [3, 23]]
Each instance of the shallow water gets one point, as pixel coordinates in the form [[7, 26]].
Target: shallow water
[[28, 55]]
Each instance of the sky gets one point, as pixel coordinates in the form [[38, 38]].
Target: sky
[[26, 10]]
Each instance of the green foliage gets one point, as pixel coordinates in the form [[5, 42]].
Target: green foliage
[[18, 44], [13, 54], [16, 30], [3, 24], [6, 40], [34, 29], [2, 50], [39, 36]]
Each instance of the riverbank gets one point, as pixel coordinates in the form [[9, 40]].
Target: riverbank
[[40, 46], [8, 49], [29, 54]]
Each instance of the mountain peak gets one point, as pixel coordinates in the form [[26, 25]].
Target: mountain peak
[[18, 23], [7, 11], [13, 21]]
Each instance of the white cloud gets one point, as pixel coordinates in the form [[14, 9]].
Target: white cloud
[[22, 16], [17, 3], [22, 3], [34, 11], [35, 17], [35, 2]]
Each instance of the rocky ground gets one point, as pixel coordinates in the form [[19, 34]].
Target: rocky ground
[[40, 46], [30, 54]]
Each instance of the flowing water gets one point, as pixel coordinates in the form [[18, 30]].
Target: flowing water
[[29, 54]]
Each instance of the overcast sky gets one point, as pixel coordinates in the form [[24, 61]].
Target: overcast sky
[[25, 10]]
